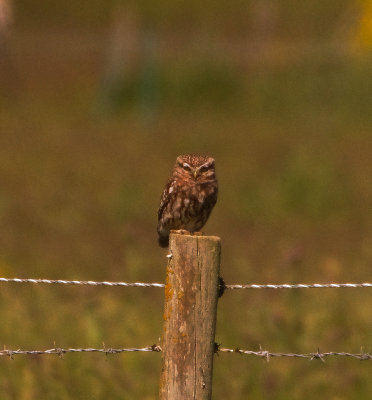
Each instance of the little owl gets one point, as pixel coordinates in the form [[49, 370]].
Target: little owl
[[188, 197]]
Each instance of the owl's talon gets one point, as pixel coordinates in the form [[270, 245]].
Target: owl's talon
[[180, 231], [198, 233]]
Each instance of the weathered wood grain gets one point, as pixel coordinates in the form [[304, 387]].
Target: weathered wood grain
[[191, 294]]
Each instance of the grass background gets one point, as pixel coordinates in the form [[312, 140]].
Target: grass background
[[83, 164]]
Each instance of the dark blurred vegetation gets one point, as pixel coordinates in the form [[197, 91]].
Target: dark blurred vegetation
[[96, 101]]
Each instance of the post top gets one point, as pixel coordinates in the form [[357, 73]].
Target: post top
[[198, 237]]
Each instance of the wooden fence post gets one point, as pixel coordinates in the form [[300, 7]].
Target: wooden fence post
[[190, 309]]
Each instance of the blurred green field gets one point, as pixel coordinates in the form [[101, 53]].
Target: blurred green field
[[82, 170]]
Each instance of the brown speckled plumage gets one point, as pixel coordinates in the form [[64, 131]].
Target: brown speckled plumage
[[188, 197]]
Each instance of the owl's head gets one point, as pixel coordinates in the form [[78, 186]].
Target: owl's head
[[195, 166]]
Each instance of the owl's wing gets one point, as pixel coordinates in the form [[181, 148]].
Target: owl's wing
[[164, 198]]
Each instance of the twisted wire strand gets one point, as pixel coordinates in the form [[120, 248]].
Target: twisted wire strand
[[301, 286], [265, 354], [91, 283], [61, 352], [311, 356], [161, 285]]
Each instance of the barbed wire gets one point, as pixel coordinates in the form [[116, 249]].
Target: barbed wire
[[161, 285], [363, 356], [60, 352], [265, 354]]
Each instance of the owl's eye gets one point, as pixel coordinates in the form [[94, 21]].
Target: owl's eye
[[204, 167], [186, 166]]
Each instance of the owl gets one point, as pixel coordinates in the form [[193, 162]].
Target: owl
[[188, 197]]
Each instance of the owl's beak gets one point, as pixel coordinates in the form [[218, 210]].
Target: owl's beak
[[196, 173]]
